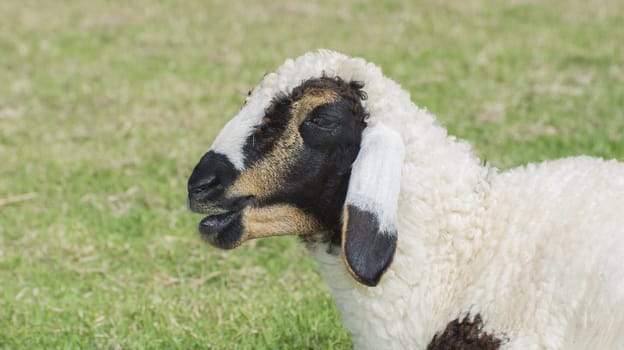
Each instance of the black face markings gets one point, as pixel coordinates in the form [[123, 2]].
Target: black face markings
[[279, 113], [368, 251], [224, 234], [332, 126], [206, 186], [263, 139], [326, 117], [317, 180], [465, 335], [210, 177], [318, 127]]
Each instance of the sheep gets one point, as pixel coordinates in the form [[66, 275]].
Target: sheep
[[423, 245]]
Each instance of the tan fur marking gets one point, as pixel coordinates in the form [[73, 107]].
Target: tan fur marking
[[278, 220], [269, 173], [312, 99]]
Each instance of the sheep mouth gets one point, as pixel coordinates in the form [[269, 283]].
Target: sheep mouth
[[212, 224], [223, 228]]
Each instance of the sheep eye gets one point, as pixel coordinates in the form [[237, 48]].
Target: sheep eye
[[322, 121]]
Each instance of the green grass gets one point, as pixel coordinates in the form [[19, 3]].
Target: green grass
[[105, 106]]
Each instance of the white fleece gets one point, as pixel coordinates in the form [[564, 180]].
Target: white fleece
[[537, 251]]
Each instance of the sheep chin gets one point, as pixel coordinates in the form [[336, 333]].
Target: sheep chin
[[223, 230]]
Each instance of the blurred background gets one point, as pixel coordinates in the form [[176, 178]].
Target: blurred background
[[105, 106]]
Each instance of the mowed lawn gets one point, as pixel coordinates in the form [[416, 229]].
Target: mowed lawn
[[105, 106]]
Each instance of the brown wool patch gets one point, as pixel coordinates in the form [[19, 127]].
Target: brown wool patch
[[464, 335]]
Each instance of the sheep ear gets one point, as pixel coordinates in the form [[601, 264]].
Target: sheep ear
[[369, 232]]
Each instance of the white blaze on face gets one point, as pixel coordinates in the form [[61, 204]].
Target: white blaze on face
[[234, 134], [232, 138]]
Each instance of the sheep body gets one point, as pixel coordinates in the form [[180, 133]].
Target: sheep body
[[540, 266], [535, 251]]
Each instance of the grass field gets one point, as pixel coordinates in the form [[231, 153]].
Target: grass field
[[105, 106]]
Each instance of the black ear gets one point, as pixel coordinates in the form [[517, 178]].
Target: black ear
[[369, 233], [367, 250]]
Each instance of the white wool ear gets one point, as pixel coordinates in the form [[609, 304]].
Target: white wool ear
[[376, 175], [369, 233]]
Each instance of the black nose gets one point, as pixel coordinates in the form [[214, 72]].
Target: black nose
[[203, 185], [210, 178]]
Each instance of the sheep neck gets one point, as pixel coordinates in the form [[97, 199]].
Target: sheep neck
[[443, 187]]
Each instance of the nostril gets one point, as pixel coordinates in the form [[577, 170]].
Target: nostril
[[203, 185], [210, 177]]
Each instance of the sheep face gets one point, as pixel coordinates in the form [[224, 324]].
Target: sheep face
[[300, 168], [296, 170]]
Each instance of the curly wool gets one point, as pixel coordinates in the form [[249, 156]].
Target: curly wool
[[535, 251]]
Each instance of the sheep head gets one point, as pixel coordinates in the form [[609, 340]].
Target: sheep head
[[306, 163]]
